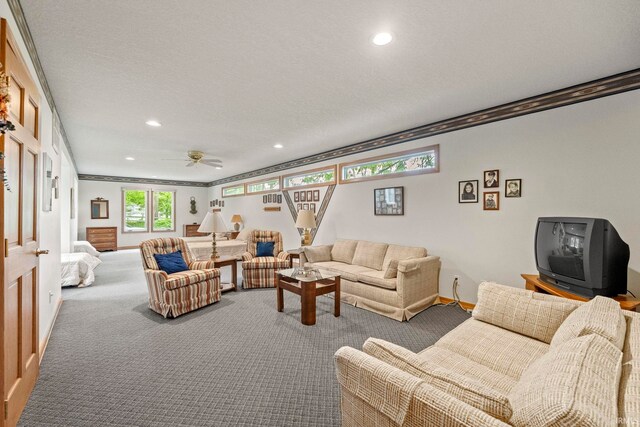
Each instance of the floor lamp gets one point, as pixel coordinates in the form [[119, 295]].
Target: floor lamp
[[213, 223]]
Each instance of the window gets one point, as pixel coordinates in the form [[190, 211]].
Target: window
[[163, 211], [134, 211], [264, 186], [421, 160], [144, 210], [311, 178], [234, 190]]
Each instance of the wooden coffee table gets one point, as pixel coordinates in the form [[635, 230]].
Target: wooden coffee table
[[309, 287]]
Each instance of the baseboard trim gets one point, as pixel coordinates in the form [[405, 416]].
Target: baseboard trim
[[45, 341], [465, 305], [120, 248]]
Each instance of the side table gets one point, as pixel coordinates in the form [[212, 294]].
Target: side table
[[294, 254], [226, 261]]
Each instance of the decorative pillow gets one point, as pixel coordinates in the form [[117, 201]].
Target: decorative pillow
[[171, 262], [517, 311], [392, 270], [244, 234], [343, 250], [601, 315], [317, 253], [369, 254], [574, 384], [264, 248]]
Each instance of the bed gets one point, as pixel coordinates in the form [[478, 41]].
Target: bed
[[77, 269], [84, 246], [200, 247]]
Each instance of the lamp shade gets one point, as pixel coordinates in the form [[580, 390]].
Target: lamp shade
[[306, 219], [236, 218], [212, 223]]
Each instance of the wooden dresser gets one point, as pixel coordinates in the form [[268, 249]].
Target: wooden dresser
[[103, 238], [191, 230]]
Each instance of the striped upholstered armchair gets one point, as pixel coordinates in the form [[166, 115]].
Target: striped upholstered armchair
[[259, 272], [178, 293]]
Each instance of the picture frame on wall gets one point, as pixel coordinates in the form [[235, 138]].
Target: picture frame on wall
[[316, 195], [513, 188], [269, 198], [492, 178], [305, 206], [221, 203], [279, 198], [264, 199], [388, 201], [468, 191], [299, 207], [303, 196], [47, 182], [309, 195], [491, 201], [296, 196], [312, 207]]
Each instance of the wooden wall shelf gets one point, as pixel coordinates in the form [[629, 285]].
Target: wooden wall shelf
[[272, 209]]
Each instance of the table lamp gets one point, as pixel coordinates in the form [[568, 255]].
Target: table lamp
[[236, 219], [307, 221], [213, 223]]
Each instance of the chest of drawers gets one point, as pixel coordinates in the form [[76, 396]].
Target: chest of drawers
[[103, 238], [191, 230]]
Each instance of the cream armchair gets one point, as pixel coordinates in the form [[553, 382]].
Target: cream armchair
[[174, 294], [259, 272]]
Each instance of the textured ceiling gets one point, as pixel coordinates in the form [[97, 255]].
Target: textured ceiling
[[233, 78]]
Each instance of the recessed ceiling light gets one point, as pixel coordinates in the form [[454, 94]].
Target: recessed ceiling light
[[382, 39], [278, 146], [153, 123], [129, 158]]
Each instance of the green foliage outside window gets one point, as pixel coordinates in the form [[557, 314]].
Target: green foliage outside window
[[320, 177], [135, 210], [163, 210], [391, 166]]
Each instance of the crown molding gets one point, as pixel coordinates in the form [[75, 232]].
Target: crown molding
[[23, 27], [615, 84], [126, 179]]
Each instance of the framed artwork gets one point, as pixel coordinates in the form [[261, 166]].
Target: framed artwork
[[296, 196], [491, 201], [264, 198], [221, 204], [309, 195], [513, 188], [388, 201], [305, 206], [312, 207], [316, 195], [269, 198], [492, 178], [47, 182], [299, 207], [72, 203], [303, 196], [468, 191], [211, 203]]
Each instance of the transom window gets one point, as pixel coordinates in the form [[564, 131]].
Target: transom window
[[264, 186], [232, 191], [311, 178], [140, 205], [421, 160]]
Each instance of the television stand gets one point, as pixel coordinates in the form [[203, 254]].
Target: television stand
[[534, 283]]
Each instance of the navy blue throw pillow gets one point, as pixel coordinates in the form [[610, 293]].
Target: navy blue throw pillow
[[264, 249], [171, 263]]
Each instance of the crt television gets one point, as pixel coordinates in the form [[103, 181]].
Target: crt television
[[584, 256]]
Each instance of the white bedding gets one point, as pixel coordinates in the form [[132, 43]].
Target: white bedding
[[77, 269], [200, 247], [84, 246]]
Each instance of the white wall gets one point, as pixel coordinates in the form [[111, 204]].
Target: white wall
[[49, 222], [68, 225], [112, 191], [580, 160]]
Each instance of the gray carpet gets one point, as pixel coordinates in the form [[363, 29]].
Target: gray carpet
[[113, 362]]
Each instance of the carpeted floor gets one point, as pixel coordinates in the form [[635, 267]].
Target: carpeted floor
[[113, 362]]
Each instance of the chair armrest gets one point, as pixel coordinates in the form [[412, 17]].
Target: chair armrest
[[202, 265], [283, 256], [247, 256], [392, 392], [156, 278], [418, 278]]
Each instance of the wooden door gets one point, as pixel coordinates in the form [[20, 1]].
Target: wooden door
[[19, 205]]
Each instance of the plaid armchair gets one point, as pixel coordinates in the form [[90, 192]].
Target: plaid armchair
[[178, 293], [259, 272]]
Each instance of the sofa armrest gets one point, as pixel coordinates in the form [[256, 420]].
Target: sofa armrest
[[418, 278], [283, 256], [399, 396], [202, 265], [247, 256], [156, 278]]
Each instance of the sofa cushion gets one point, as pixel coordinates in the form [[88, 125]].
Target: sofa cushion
[[346, 271], [376, 278], [601, 316], [457, 384], [317, 253], [498, 349], [631, 349], [399, 253], [391, 272], [265, 262], [629, 393], [574, 384], [343, 250], [369, 254], [516, 310], [189, 277]]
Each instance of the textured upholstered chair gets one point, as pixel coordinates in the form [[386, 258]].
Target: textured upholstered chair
[[174, 294], [259, 272]]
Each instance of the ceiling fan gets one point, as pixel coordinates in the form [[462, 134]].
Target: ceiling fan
[[195, 158]]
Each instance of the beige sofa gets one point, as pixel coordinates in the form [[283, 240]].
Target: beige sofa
[[523, 359], [395, 281]]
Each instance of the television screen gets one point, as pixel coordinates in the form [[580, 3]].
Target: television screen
[[560, 248]]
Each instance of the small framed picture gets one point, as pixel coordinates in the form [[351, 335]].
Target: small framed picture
[[513, 188], [312, 207], [269, 198], [299, 207], [303, 196], [211, 204], [492, 178], [316, 195], [309, 195], [279, 198], [305, 206], [491, 201], [468, 191], [388, 201], [221, 204], [296, 196], [264, 199]]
